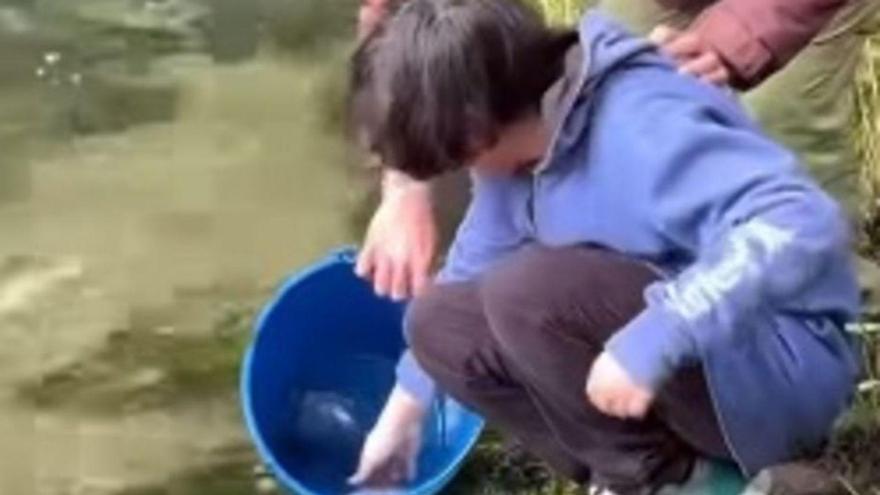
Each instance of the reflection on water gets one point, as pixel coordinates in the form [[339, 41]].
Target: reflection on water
[[164, 163]]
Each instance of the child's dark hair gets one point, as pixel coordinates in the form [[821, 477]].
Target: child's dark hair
[[437, 79]]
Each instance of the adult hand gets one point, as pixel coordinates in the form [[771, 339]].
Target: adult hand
[[369, 15], [612, 391], [389, 455], [401, 241], [692, 53]]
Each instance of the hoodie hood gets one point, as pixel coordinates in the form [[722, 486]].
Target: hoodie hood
[[603, 47]]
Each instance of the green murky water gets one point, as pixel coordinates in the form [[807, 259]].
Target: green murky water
[[163, 163]]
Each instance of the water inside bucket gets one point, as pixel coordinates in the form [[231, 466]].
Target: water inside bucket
[[329, 417]]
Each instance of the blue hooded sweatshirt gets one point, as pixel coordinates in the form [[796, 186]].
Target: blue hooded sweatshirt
[[756, 285]]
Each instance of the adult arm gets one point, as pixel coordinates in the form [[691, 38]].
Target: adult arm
[[401, 239], [755, 38]]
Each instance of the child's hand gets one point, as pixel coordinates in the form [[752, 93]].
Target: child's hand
[[613, 392], [389, 455], [693, 54]]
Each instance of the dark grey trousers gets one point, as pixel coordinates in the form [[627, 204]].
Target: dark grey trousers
[[517, 344]]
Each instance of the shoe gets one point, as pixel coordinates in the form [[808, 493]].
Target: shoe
[[716, 478], [868, 273], [599, 490], [796, 478], [709, 478]]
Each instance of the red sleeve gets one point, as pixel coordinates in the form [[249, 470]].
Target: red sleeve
[[757, 37]]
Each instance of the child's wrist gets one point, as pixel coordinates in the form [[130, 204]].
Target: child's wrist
[[402, 409]]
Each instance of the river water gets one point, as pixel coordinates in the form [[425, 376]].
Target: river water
[[163, 164]]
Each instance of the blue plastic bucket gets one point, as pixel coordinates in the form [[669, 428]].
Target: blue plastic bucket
[[317, 374]]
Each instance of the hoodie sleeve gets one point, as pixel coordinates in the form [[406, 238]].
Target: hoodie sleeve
[[758, 232], [487, 233]]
